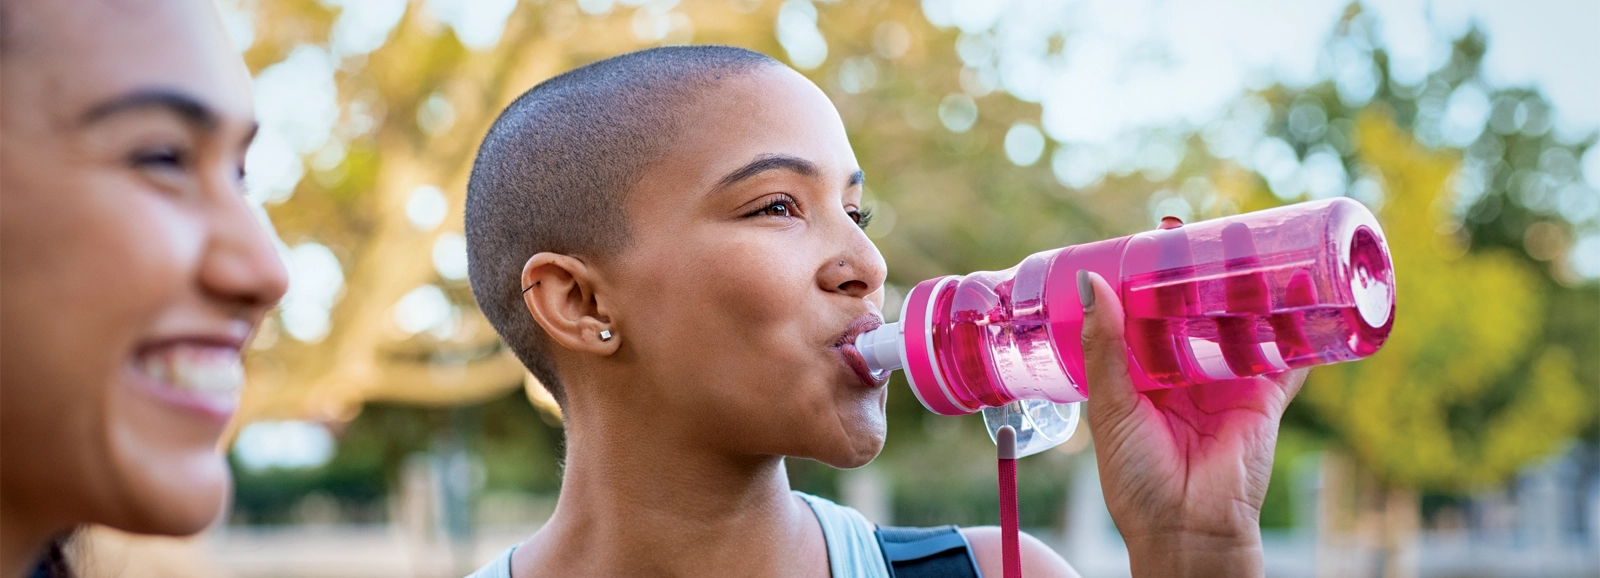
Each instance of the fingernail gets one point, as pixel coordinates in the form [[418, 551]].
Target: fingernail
[[1085, 290]]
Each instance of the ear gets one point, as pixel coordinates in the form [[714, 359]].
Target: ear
[[560, 293]]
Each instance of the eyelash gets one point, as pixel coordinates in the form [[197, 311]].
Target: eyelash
[[777, 201], [862, 217], [160, 158], [168, 158]]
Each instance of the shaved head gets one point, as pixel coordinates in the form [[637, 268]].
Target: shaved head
[[554, 172]]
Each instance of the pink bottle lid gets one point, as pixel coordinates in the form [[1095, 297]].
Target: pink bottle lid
[[921, 365]]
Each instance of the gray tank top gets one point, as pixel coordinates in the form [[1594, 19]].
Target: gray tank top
[[852, 546]]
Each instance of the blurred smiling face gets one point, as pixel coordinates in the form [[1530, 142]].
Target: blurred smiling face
[[132, 268], [748, 276]]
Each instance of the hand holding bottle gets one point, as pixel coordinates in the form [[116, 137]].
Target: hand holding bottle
[[1184, 470]]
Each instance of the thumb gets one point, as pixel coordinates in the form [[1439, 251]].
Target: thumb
[[1105, 351]]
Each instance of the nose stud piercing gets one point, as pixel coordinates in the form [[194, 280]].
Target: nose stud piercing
[[605, 335], [841, 262]]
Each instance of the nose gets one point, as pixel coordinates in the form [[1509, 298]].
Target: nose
[[241, 268], [857, 270]]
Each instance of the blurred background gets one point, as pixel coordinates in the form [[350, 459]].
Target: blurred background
[[387, 432]]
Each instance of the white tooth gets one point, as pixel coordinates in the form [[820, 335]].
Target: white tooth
[[206, 372], [153, 367]]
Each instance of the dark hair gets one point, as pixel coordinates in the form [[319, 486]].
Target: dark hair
[[553, 173], [52, 563]]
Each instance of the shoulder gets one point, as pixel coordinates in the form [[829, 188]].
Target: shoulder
[[1038, 560]]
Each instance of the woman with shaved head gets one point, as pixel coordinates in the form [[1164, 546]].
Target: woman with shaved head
[[132, 270], [672, 241]]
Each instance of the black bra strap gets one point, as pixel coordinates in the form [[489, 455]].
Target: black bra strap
[[940, 552]]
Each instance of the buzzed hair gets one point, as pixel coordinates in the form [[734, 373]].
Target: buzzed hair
[[553, 173]]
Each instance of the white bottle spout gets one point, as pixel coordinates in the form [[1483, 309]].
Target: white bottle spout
[[881, 348]]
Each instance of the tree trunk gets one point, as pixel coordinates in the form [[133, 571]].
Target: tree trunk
[[1402, 515], [1365, 528]]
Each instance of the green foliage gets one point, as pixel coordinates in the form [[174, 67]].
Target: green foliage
[[1480, 375], [519, 452], [362, 472], [1465, 324], [1492, 363]]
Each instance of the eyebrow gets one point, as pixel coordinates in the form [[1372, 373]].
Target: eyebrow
[[780, 162], [769, 163], [190, 109]]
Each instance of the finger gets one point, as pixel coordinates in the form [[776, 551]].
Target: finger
[[1290, 382], [1105, 354]]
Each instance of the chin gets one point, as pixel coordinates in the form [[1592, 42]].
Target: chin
[[855, 460], [189, 508], [863, 440], [175, 493]]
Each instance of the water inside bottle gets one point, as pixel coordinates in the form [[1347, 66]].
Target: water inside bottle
[[1258, 314], [1236, 313], [999, 334]]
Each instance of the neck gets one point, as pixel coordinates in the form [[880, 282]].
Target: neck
[[22, 539], [635, 501]]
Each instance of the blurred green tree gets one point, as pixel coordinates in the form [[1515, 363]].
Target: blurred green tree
[[412, 92], [1482, 375]]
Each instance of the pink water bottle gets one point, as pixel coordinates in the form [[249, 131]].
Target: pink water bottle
[[1295, 286]]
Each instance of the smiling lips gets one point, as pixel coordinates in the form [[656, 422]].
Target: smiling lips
[[846, 346], [205, 377]]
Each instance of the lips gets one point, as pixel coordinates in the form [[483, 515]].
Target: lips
[[846, 346], [200, 376]]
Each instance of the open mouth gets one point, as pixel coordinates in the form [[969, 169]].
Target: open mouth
[[197, 376], [846, 346]]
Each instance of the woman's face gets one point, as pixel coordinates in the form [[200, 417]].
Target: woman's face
[[747, 271], [132, 268]]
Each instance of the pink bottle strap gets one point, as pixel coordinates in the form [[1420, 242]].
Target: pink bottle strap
[[1010, 550]]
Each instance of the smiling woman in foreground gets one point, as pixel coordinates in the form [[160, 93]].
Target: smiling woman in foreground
[[132, 268]]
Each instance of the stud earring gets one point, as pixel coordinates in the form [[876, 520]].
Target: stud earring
[[605, 335]]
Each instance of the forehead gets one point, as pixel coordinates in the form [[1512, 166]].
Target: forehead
[[74, 54], [773, 111]]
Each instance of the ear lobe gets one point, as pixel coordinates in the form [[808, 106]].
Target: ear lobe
[[559, 292]]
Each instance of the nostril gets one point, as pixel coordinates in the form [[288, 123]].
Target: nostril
[[853, 287]]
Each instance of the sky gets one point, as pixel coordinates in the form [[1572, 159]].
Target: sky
[[1111, 76], [1151, 63]]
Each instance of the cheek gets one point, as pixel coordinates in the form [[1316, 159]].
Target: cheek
[[87, 266], [760, 287], [741, 303], [739, 339]]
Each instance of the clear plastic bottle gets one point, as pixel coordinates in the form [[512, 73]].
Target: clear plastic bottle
[[1251, 294]]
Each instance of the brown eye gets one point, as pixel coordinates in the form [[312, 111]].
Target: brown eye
[[862, 217], [782, 206], [160, 158], [777, 209]]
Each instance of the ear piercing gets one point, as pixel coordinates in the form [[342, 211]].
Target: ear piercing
[[605, 335], [535, 284]]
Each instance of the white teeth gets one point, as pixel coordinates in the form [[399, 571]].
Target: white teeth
[[214, 372]]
